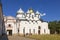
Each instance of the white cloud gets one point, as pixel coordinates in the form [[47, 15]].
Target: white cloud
[[43, 14]]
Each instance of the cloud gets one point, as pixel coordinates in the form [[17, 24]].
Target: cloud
[[43, 14]]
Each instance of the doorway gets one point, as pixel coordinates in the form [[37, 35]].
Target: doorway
[[9, 32], [38, 31]]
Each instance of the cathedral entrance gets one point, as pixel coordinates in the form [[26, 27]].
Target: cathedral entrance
[[39, 29], [9, 32]]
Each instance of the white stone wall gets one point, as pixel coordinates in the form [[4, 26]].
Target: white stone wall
[[45, 27], [33, 25], [10, 20]]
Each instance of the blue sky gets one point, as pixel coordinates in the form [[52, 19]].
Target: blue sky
[[50, 7]]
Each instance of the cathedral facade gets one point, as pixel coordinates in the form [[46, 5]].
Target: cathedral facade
[[28, 23]]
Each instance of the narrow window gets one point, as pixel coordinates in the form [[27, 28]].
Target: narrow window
[[30, 31], [38, 31], [32, 16], [9, 25], [39, 27], [34, 31], [44, 31], [24, 30]]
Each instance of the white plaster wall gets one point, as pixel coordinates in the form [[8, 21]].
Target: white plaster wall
[[19, 16], [44, 26], [14, 31], [32, 25], [28, 25]]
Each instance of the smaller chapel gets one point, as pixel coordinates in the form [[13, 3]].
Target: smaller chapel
[[26, 23]]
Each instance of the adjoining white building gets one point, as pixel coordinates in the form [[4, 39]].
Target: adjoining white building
[[26, 23], [10, 25]]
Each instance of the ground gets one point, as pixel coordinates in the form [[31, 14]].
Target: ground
[[46, 37], [5, 37], [32, 37]]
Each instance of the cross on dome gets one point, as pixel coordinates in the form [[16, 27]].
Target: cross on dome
[[20, 11]]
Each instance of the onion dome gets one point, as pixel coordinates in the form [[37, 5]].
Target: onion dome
[[20, 11], [37, 12]]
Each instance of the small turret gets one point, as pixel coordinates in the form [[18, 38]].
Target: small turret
[[20, 11], [28, 11], [37, 14], [20, 14], [28, 14], [32, 14]]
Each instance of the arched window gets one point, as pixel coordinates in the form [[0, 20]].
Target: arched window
[[32, 21], [34, 31], [24, 30], [32, 16], [29, 30], [38, 31], [44, 31], [39, 27], [9, 25]]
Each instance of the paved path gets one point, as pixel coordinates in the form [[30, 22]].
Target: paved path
[[18, 38], [14, 38]]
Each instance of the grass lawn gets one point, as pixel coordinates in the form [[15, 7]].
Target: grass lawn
[[45, 37]]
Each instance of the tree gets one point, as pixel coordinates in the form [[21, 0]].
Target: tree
[[54, 27]]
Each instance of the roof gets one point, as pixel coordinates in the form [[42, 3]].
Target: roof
[[28, 11], [10, 17], [20, 11]]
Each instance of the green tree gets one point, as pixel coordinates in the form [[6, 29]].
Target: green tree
[[54, 27]]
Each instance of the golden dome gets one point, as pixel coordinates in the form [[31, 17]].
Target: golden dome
[[31, 11]]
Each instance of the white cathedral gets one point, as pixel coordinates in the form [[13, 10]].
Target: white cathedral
[[26, 23]]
